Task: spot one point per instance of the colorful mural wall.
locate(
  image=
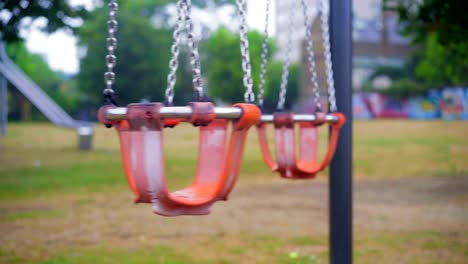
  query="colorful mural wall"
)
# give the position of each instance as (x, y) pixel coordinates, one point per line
(450, 104)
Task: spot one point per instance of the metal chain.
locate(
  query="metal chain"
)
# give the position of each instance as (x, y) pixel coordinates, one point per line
(111, 45)
(324, 19)
(249, 95)
(175, 50)
(263, 68)
(311, 56)
(287, 62)
(194, 54)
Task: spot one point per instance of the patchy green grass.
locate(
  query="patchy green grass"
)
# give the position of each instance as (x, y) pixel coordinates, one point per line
(161, 254)
(305, 241)
(37, 214)
(59, 205)
(10, 257)
(39, 159)
(412, 247)
(389, 247)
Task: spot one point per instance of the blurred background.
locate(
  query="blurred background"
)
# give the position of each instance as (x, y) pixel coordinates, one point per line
(62, 205)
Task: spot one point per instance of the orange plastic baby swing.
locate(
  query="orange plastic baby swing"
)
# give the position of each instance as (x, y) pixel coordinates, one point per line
(141, 139)
(287, 163)
(307, 164)
(140, 127)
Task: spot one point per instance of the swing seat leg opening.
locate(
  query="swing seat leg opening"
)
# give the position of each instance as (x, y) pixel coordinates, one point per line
(307, 165)
(219, 159)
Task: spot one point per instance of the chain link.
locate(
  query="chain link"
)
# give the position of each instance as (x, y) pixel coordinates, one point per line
(194, 54)
(263, 66)
(184, 9)
(287, 62)
(111, 45)
(249, 95)
(111, 59)
(311, 56)
(175, 50)
(324, 22)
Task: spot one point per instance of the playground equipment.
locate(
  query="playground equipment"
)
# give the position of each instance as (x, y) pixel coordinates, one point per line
(9, 72)
(140, 128)
(141, 125)
(287, 164)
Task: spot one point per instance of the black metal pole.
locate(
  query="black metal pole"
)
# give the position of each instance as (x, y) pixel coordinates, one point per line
(341, 184)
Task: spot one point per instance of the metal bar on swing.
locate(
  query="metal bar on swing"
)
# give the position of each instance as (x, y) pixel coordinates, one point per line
(300, 118)
(340, 185)
(120, 113)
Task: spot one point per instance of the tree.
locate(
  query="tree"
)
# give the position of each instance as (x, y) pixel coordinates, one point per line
(222, 67)
(275, 70)
(418, 19)
(441, 66)
(439, 27)
(143, 53)
(222, 64)
(142, 57)
(58, 13)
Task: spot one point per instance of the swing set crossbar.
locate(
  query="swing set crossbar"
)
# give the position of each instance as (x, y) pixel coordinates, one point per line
(331, 119)
(183, 112)
(120, 113)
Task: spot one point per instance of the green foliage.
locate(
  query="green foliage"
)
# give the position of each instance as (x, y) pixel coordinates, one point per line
(432, 66)
(275, 70)
(406, 87)
(440, 27)
(441, 66)
(143, 54)
(393, 72)
(142, 57)
(222, 67)
(418, 19)
(404, 81)
(58, 13)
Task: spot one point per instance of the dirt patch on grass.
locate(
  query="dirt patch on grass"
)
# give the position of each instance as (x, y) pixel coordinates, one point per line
(274, 211)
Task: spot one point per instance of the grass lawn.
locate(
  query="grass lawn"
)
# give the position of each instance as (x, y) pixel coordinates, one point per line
(59, 205)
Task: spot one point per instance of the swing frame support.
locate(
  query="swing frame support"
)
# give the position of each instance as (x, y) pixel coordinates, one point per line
(120, 113)
(341, 184)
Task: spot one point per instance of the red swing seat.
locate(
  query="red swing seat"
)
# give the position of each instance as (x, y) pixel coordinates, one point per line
(306, 165)
(141, 140)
